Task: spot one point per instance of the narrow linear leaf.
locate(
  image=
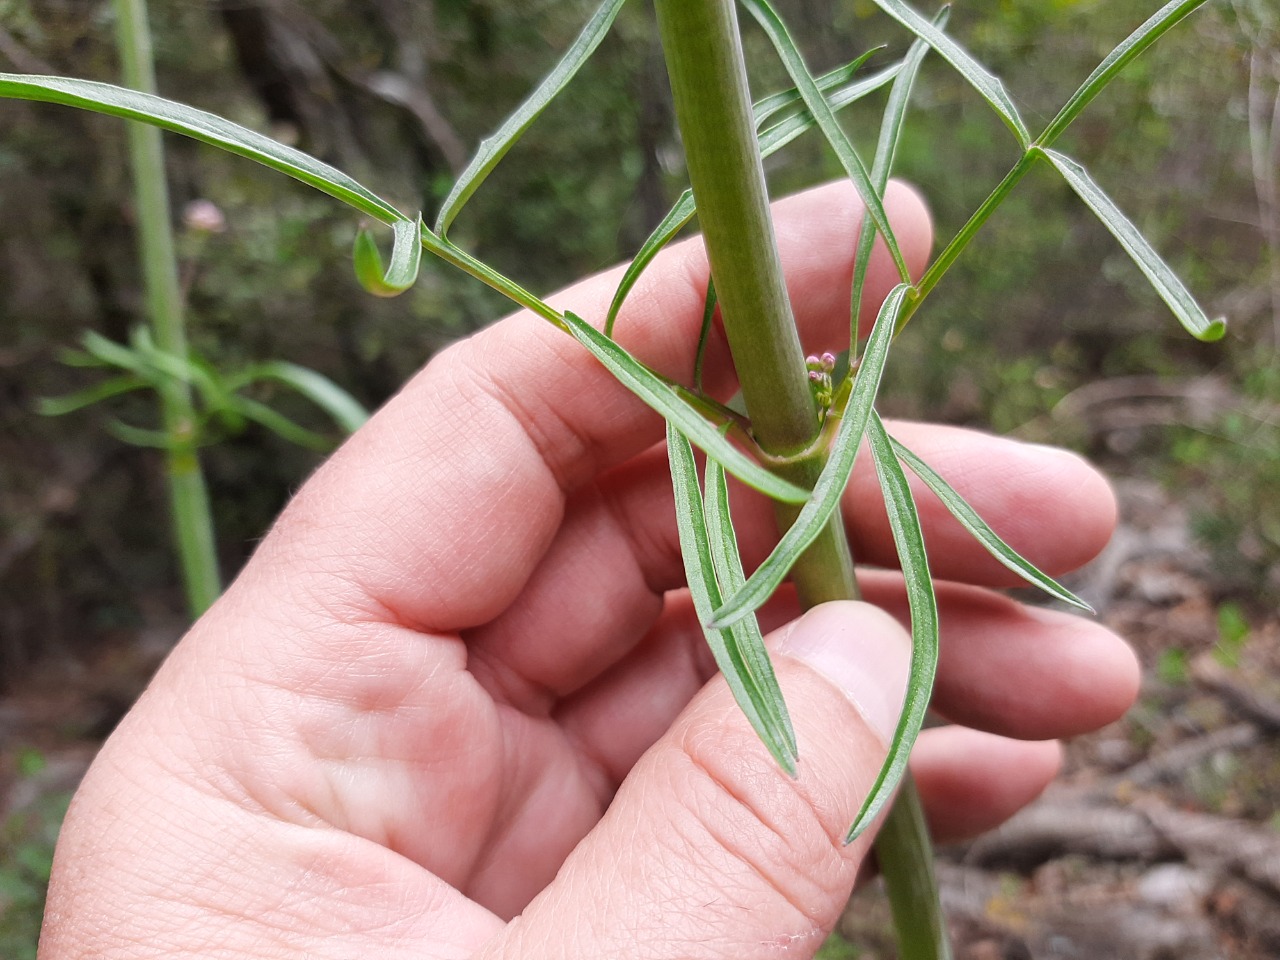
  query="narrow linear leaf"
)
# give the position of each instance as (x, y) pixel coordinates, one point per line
(1161, 276)
(744, 635)
(679, 215)
(982, 532)
(199, 125)
(186, 369)
(278, 424)
(346, 410)
(774, 138)
(822, 113)
(111, 354)
(766, 108)
(406, 256)
(705, 592)
(834, 477)
(904, 520)
(1132, 47)
(771, 141)
(979, 77)
(882, 166)
(114, 387)
(651, 388)
(139, 436)
(494, 148)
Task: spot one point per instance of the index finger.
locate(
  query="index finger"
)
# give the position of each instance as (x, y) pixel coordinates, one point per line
(439, 509)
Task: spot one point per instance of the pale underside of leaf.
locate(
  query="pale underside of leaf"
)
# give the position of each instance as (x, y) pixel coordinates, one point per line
(659, 395)
(979, 77)
(1162, 278)
(700, 574)
(745, 634)
(886, 150)
(904, 520)
(200, 125)
(815, 514)
(406, 256)
(822, 113)
(982, 532)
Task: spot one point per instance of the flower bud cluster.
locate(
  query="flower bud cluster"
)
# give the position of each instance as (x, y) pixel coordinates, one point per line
(820, 369)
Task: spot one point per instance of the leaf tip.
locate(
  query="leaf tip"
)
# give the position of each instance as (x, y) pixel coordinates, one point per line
(1216, 330)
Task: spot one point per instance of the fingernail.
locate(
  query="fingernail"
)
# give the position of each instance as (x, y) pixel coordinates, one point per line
(862, 651)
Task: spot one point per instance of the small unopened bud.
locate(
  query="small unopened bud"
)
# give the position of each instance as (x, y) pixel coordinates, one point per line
(203, 216)
(815, 376)
(828, 360)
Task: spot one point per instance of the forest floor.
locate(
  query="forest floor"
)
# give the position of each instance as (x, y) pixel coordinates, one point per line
(1160, 841)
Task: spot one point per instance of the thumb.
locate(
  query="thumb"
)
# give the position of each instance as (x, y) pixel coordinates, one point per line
(709, 850)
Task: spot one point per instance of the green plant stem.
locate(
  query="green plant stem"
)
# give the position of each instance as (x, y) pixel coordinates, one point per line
(188, 496)
(910, 880)
(713, 107)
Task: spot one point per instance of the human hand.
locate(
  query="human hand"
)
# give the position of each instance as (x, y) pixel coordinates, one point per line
(459, 680)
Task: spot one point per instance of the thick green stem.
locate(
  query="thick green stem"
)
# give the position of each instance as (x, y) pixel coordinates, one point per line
(713, 107)
(906, 862)
(189, 499)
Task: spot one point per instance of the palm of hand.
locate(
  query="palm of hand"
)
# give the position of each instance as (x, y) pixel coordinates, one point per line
(424, 691)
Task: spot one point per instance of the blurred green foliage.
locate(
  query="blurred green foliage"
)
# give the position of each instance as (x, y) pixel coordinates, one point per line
(27, 838)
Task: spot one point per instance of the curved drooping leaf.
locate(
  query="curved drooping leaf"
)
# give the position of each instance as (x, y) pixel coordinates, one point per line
(1132, 47)
(834, 477)
(406, 256)
(1163, 279)
(979, 77)
(982, 532)
(113, 387)
(700, 573)
(822, 113)
(882, 166)
(344, 409)
(277, 423)
(494, 148)
(140, 436)
(654, 391)
(200, 125)
(761, 682)
(904, 520)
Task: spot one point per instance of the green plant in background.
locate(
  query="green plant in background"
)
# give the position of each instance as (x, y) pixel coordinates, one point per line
(158, 358)
(27, 838)
(803, 428)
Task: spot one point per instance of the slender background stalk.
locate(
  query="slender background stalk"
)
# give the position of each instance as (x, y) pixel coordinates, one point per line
(713, 107)
(188, 496)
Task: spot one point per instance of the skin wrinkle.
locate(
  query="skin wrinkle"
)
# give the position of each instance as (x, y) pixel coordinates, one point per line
(583, 553)
(767, 793)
